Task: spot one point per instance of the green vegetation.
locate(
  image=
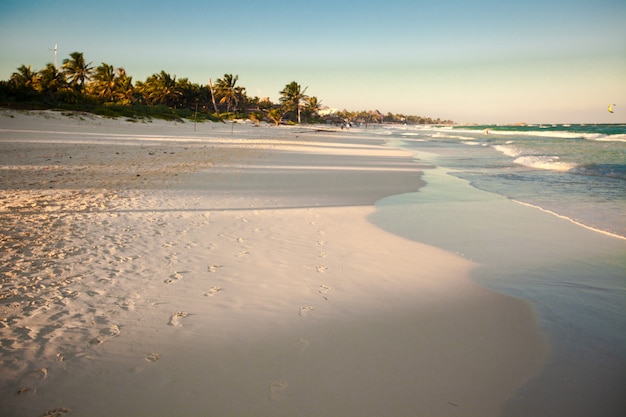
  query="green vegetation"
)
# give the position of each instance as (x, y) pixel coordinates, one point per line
(292, 97)
(108, 91)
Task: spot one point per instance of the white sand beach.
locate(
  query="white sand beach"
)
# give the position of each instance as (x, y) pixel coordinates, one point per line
(165, 269)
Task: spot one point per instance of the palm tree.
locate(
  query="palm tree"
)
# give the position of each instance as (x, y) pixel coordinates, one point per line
(104, 80)
(50, 79)
(25, 77)
(160, 89)
(229, 93)
(191, 94)
(375, 117)
(313, 106)
(77, 71)
(292, 96)
(241, 99)
(276, 115)
(124, 90)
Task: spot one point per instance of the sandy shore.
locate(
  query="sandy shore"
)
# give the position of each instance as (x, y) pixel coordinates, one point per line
(150, 269)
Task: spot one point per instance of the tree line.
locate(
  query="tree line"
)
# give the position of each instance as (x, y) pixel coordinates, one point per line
(110, 91)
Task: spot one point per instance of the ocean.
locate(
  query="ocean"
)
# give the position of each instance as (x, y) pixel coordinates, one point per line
(542, 210)
(576, 171)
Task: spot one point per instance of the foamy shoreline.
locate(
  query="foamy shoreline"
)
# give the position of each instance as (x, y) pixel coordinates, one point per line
(232, 271)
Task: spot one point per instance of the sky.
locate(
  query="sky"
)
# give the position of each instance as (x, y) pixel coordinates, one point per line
(470, 61)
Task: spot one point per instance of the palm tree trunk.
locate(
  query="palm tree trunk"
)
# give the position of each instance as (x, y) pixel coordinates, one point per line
(213, 96)
(297, 105)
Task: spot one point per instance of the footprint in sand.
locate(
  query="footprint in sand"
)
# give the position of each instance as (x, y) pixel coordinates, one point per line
(313, 222)
(321, 242)
(302, 344)
(324, 289)
(41, 373)
(57, 412)
(121, 259)
(277, 389)
(109, 332)
(128, 305)
(212, 291)
(304, 310)
(31, 380)
(173, 278)
(98, 340)
(171, 259)
(321, 269)
(242, 253)
(175, 318)
(206, 216)
(322, 254)
(214, 267)
(152, 357)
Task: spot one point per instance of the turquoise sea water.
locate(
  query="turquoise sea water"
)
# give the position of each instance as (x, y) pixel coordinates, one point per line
(563, 249)
(577, 171)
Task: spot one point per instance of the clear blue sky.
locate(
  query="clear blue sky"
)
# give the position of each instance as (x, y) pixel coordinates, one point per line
(501, 61)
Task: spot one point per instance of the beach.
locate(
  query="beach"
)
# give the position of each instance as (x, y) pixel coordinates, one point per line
(166, 268)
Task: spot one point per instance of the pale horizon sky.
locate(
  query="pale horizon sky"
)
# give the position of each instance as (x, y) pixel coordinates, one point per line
(486, 61)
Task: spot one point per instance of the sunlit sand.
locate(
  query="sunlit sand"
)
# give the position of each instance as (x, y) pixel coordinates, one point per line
(150, 269)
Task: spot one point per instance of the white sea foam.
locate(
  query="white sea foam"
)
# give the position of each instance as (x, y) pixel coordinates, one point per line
(508, 150)
(576, 222)
(552, 163)
(563, 135)
(544, 162)
(447, 136)
(612, 138)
